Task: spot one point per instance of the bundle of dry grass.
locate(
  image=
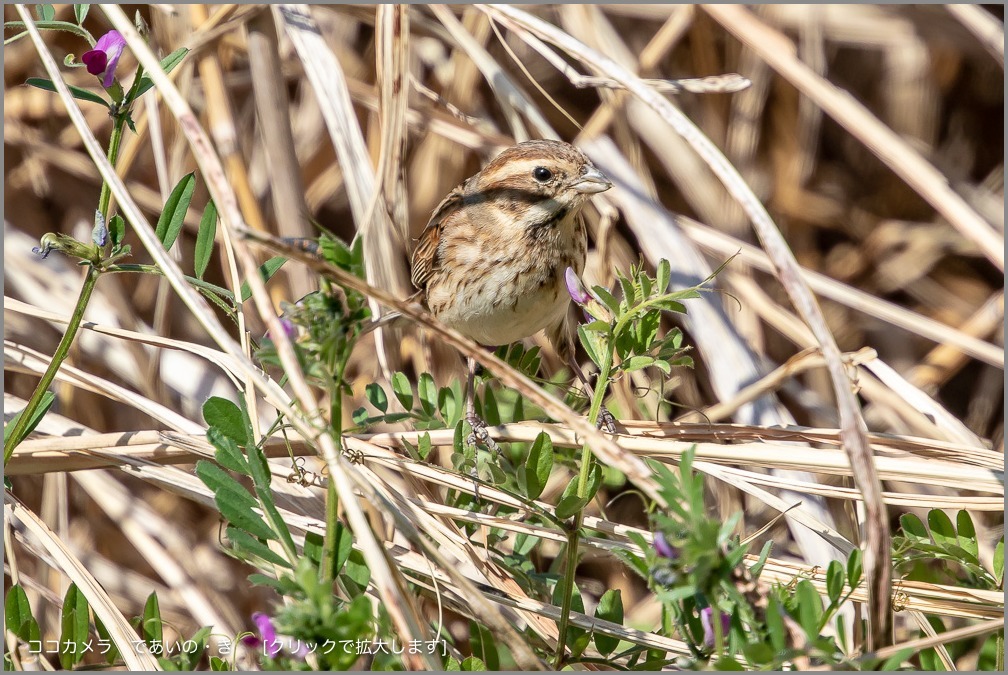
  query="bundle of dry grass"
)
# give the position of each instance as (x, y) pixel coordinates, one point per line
(858, 181)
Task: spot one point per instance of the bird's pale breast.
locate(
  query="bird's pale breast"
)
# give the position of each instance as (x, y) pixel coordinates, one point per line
(503, 288)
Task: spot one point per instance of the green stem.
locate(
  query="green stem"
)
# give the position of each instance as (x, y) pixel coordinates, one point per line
(327, 569)
(105, 200)
(14, 436)
(574, 535)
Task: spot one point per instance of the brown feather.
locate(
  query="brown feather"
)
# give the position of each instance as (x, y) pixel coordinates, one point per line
(425, 256)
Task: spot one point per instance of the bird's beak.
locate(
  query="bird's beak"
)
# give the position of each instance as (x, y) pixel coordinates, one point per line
(591, 182)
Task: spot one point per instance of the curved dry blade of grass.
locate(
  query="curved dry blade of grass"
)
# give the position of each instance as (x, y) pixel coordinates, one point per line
(725, 245)
(382, 257)
(877, 547)
(152, 537)
(118, 626)
(511, 96)
(223, 361)
(22, 357)
(898, 155)
(401, 610)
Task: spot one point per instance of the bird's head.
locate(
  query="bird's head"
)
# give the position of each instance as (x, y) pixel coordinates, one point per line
(539, 181)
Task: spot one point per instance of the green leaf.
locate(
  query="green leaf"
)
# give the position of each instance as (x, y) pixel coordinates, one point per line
(644, 283)
(424, 446)
(473, 664)
(205, 239)
(403, 390)
(757, 569)
(260, 471)
(539, 465)
(344, 546)
(376, 395)
(854, 568)
(168, 64)
(569, 505)
(809, 608)
(610, 608)
(895, 661)
(636, 363)
(482, 645)
(629, 293)
(607, 298)
(18, 615)
(427, 391)
(942, 530)
(173, 215)
(490, 410)
(219, 481)
(914, 529)
(277, 522)
(225, 415)
(152, 628)
(594, 344)
(190, 656)
(217, 664)
(834, 580)
(727, 663)
(248, 544)
(576, 605)
(112, 655)
(81, 12)
(74, 625)
(999, 562)
(265, 272)
(448, 406)
(357, 571)
(227, 453)
(117, 230)
(524, 543)
(235, 503)
(930, 662)
(775, 624)
(967, 535)
(758, 652)
(670, 306)
(45, 12)
(530, 361)
(662, 275)
(44, 404)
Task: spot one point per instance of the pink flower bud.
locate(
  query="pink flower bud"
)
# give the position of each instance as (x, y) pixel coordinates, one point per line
(102, 60)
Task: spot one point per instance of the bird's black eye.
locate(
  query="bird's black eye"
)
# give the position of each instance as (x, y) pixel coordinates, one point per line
(542, 174)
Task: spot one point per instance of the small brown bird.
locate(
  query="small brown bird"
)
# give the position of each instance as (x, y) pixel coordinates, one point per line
(491, 261)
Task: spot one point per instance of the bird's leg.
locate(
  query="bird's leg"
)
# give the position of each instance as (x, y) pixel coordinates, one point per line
(479, 427)
(606, 420)
(563, 343)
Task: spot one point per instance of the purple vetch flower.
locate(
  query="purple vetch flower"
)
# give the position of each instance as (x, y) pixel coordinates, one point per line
(288, 327)
(267, 635)
(708, 626)
(664, 548)
(102, 60)
(575, 287)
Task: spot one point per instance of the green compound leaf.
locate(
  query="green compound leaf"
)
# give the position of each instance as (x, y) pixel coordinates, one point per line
(172, 217)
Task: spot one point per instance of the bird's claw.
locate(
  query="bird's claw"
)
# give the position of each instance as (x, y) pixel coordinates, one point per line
(606, 421)
(480, 434)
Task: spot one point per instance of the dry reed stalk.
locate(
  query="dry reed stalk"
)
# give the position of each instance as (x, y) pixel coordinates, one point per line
(893, 267)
